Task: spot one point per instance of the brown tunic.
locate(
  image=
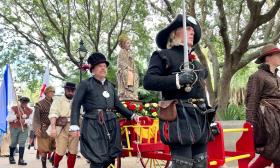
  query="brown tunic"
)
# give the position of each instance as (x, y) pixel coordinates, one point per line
(41, 113)
(263, 111)
(17, 123)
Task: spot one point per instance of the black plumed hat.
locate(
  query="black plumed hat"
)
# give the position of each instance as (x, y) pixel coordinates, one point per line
(163, 35)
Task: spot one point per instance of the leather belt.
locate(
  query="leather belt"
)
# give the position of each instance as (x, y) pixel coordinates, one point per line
(193, 101)
(102, 110)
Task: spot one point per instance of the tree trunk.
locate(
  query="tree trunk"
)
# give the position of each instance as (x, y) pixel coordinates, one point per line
(224, 92)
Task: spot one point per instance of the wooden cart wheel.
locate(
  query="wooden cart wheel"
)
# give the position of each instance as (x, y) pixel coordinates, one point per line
(154, 163)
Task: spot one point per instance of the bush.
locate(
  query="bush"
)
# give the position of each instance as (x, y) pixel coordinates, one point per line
(235, 112)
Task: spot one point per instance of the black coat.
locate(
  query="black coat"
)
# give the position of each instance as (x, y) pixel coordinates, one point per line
(96, 145)
(191, 126)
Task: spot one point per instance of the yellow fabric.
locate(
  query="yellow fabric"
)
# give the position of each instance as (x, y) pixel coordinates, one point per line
(61, 107)
(145, 133)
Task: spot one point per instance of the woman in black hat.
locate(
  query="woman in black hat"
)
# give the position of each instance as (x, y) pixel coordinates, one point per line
(187, 135)
(100, 131)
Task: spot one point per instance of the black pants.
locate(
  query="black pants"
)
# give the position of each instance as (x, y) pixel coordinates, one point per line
(188, 151)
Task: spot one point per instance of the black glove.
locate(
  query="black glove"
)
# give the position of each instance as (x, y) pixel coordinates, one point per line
(187, 77)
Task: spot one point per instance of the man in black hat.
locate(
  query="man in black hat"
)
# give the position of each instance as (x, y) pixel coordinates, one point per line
(187, 135)
(59, 116)
(19, 122)
(100, 132)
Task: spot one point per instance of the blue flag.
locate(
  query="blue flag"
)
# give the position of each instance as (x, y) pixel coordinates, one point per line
(7, 98)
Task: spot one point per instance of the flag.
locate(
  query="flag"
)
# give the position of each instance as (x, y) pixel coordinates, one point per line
(45, 82)
(7, 97)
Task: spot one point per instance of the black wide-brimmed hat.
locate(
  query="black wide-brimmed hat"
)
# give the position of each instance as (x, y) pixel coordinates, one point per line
(163, 35)
(70, 85)
(267, 50)
(24, 100)
(97, 58)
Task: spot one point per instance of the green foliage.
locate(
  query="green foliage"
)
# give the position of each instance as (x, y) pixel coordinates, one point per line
(235, 112)
(148, 96)
(241, 77)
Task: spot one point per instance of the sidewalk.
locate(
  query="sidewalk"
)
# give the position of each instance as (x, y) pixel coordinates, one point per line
(32, 162)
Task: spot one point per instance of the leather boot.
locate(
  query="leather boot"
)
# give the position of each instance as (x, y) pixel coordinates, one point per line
(186, 163)
(11, 158)
(44, 161)
(200, 160)
(20, 160)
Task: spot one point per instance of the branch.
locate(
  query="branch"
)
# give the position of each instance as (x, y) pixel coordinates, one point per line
(223, 27)
(169, 8)
(99, 21)
(255, 21)
(121, 27)
(162, 11)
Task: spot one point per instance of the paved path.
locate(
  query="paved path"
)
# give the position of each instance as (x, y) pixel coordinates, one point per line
(230, 139)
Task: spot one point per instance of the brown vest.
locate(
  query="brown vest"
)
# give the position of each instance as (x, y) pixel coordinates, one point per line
(16, 123)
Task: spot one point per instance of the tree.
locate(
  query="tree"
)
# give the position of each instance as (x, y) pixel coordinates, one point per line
(55, 27)
(16, 52)
(233, 30)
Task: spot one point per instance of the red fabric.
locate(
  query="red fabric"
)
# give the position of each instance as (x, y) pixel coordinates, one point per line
(71, 160)
(261, 162)
(192, 57)
(166, 131)
(57, 159)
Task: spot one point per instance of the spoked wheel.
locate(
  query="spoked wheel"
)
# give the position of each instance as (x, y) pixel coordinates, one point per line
(154, 163)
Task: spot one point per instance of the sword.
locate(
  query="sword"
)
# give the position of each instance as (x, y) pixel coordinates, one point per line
(188, 88)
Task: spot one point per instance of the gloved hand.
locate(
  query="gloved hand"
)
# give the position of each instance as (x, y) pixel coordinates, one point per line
(187, 77)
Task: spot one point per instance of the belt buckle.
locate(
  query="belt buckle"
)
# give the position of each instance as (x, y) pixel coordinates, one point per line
(190, 101)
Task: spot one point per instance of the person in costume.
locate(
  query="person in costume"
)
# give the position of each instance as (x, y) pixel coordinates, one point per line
(100, 130)
(61, 110)
(263, 107)
(41, 123)
(187, 135)
(19, 122)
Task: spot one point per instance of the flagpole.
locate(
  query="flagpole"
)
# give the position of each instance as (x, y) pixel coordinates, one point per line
(18, 106)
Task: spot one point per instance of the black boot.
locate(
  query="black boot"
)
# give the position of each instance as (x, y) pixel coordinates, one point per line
(200, 160)
(11, 158)
(20, 160)
(184, 163)
(44, 161)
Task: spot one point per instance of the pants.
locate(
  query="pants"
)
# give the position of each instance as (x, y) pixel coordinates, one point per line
(18, 137)
(64, 141)
(193, 156)
(45, 144)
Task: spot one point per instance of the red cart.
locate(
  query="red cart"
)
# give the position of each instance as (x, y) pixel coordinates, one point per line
(142, 140)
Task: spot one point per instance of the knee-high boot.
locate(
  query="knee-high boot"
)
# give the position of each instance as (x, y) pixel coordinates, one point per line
(20, 160)
(44, 159)
(11, 157)
(200, 160)
(185, 163)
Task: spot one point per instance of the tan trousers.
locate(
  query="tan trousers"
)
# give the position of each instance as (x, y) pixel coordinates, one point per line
(65, 141)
